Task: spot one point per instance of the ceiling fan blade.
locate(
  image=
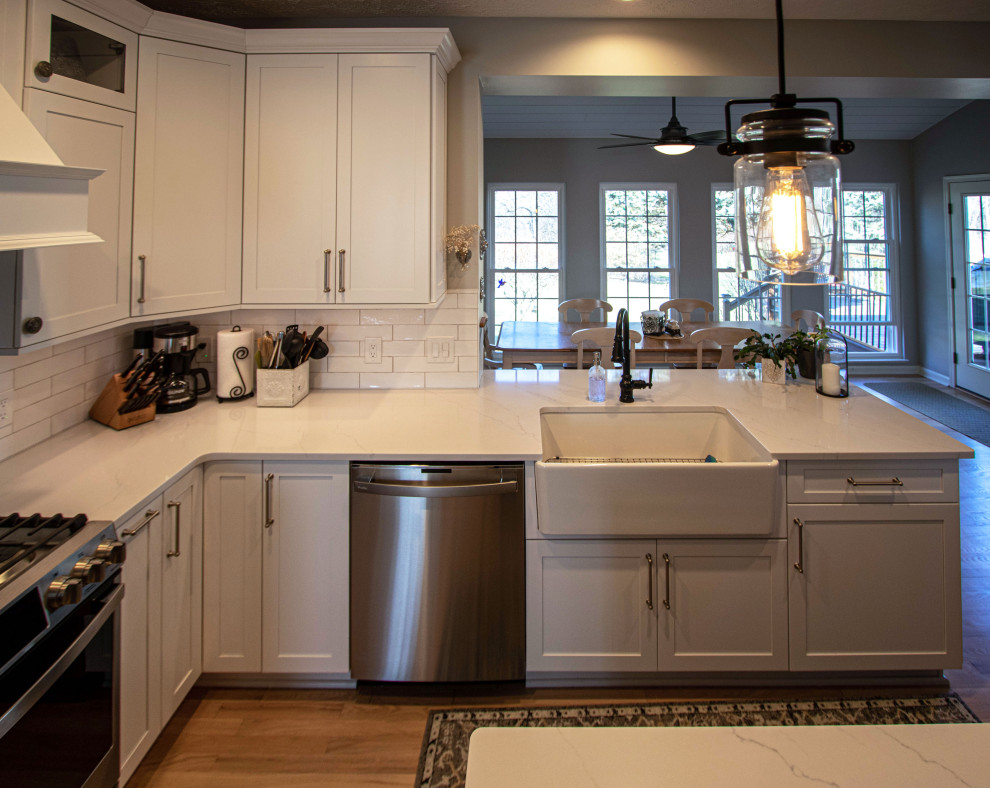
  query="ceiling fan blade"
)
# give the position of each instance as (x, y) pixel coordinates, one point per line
(708, 137)
(634, 137)
(628, 144)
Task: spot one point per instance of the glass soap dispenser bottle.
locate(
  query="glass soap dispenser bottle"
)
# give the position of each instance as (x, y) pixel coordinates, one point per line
(596, 380)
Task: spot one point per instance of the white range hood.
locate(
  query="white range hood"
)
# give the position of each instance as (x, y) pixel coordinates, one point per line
(42, 201)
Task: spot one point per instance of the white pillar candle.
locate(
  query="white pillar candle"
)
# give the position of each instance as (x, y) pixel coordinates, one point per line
(830, 379)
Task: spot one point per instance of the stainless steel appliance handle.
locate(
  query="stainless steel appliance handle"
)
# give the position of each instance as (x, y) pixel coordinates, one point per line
(800, 562)
(269, 520)
(142, 259)
(666, 601)
(894, 482)
(149, 515)
(177, 505)
(326, 270)
(340, 271)
(50, 676)
(441, 491)
(649, 599)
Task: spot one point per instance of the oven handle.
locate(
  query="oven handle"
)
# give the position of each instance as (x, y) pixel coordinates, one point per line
(50, 676)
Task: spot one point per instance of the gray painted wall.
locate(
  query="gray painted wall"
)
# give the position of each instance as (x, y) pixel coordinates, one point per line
(581, 167)
(956, 146)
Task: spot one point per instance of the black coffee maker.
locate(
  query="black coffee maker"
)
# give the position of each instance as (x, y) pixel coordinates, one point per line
(180, 342)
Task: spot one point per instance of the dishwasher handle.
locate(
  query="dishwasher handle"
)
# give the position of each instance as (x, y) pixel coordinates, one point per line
(437, 491)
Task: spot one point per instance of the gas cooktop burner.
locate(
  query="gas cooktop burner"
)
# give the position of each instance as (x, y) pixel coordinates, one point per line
(23, 540)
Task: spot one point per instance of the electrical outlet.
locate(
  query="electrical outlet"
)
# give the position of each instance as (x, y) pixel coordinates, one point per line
(205, 356)
(373, 350)
(440, 350)
(4, 410)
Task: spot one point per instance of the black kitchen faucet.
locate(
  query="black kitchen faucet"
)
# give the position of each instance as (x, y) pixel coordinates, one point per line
(621, 353)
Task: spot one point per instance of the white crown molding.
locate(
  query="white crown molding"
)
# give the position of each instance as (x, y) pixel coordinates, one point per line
(195, 31)
(126, 13)
(437, 41)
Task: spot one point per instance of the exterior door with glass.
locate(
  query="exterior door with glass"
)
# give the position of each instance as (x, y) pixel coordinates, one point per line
(970, 229)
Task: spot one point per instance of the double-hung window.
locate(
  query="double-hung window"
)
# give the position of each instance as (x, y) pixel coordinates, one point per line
(526, 232)
(735, 298)
(638, 226)
(864, 306)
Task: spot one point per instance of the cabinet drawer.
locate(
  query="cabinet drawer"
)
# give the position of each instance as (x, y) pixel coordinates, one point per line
(871, 481)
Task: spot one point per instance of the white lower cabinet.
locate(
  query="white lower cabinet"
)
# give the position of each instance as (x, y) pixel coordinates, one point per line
(874, 586)
(646, 605)
(160, 632)
(276, 568)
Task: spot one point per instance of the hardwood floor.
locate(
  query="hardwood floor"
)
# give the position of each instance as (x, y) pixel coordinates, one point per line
(372, 735)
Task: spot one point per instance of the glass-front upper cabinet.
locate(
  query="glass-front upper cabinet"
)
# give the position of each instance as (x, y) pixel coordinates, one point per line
(78, 54)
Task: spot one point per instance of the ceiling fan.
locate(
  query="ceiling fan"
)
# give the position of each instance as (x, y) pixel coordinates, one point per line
(674, 139)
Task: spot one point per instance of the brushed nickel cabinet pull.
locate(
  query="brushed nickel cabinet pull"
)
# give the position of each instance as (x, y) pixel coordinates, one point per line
(895, 482)
(666, 601)
(326, 270)
(800, 562)
(649, 599)
(269, 520)
(142, 259)
(149, 515)
(340, 271)
(177, 506)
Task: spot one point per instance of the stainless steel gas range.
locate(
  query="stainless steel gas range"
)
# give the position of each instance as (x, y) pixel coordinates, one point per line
(60, 597)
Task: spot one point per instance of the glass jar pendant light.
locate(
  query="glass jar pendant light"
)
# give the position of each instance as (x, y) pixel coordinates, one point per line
(787, 186)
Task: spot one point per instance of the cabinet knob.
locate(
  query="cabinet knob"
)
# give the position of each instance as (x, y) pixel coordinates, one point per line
(32, 325)
(44, 69)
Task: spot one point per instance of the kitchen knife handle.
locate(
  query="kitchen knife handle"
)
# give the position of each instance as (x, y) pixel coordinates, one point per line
(142, 259)
(149, 515)
(269, 520)
(666, 601)
(326, 270)
(177, 506)
(340, 271)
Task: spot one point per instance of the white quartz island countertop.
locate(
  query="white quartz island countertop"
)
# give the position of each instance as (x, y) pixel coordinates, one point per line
(107, 474)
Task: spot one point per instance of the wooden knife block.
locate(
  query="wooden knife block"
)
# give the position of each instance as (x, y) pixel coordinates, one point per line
(104, 410)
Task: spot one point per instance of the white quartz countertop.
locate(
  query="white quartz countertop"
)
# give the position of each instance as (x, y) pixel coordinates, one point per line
(850, 756)
(107, 474)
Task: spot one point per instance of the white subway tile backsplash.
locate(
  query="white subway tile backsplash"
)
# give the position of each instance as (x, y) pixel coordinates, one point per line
(6, 380)
(42, 370)
(453, 316)
(335, 333)
(46, 408)
(451, 380)
(378, 317)
(406, 348)
(327, 317)
(335, 380)
(357, 364)
(28, 395)
(25, 439)
(394, 380)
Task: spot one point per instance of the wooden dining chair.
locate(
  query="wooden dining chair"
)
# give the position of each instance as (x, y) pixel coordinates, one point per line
(602, 338)
(584, 308)
(810, 317)
(725, 337)
(685, 307)
(489, 357)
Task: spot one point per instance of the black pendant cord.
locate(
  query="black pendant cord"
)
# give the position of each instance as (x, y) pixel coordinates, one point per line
(781, 88)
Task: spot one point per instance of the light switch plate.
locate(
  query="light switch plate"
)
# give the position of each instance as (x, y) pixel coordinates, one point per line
(440, 350)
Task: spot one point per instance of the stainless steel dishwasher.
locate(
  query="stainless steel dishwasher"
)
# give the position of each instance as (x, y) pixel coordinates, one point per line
(437, 572)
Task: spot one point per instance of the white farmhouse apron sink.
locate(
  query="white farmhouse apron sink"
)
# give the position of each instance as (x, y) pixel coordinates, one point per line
(625, 472)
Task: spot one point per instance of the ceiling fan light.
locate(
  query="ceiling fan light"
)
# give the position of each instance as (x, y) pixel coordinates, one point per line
(673, 148)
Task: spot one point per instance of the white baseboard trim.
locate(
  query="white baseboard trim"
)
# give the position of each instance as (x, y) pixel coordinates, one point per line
(938, 377)
(877, 370)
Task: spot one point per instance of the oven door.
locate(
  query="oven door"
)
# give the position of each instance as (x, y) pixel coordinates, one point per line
(59, 702)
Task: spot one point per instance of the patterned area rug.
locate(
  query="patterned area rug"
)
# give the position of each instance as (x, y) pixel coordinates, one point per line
(443, 760)
(965, 417)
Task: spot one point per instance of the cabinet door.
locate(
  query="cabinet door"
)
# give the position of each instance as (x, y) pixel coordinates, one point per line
(439, 218)
(187, 178)
(290, 179)
(140, 637)
(383, 183)
(728, 604)
(588, 606)
(92, 59)
(182, 590)
(232, 540)
(73, 288)
(876, 587)
(305, 569)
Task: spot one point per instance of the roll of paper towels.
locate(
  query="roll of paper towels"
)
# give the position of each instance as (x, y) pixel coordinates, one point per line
(235, 363)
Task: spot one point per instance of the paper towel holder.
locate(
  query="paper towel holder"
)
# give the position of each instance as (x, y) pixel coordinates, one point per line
(238, 392)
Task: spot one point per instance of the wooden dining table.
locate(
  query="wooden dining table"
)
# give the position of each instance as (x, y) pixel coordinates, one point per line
(551, 343)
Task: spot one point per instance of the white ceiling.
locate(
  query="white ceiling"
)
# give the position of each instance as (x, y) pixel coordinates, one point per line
(600, 116)
(904, 10)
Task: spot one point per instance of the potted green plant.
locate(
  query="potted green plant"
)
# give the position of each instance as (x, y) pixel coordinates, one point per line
(775, 355)
(804, 350)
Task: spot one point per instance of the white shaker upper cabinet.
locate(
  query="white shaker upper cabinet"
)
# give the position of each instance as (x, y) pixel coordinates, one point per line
(344, 178)
(187, 178)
